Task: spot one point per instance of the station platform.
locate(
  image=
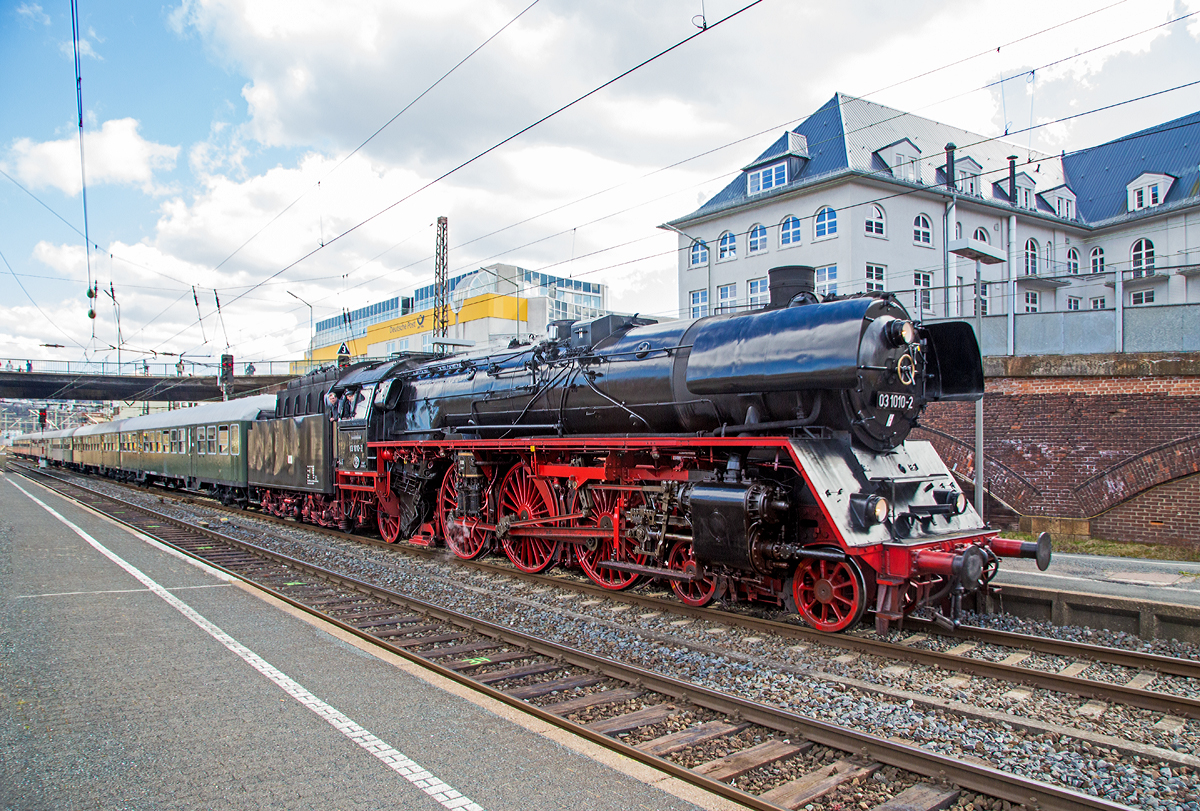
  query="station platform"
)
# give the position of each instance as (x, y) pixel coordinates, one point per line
(1163, 581)
(134, 678)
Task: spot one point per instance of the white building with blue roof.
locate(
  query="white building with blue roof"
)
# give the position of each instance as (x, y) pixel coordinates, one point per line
(1102, 245)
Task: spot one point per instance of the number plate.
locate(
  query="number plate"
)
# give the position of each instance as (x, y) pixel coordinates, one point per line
(893, 401)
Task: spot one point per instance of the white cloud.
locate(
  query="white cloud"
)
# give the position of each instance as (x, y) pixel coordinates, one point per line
(33, 13)
(116, 153)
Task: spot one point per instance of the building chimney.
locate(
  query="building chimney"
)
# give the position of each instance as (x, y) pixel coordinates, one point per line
(950, 147)
(1012, 179)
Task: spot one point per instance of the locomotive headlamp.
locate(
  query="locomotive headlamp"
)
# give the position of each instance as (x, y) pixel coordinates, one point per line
(900, 333)
(869, 509)
(956, 500)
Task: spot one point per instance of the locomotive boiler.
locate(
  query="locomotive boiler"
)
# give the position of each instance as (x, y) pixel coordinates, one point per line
(760, 455)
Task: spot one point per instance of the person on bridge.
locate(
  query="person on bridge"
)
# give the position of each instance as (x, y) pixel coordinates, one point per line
(8, 367)
(29, 366)
(179, 368)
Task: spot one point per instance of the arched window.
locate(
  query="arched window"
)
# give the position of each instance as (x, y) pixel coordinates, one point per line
(789, 231)
(981, 235)
(1031, 257)
(922, 230)
(825, 224)
(699, 253)
(727, 247)
(1098, 261)
(1142, 258)
(958, 230)
(1073, 261)
(758, 239)
(875, 221)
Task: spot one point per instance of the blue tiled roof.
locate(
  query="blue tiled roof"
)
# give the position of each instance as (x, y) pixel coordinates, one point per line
(847, 133)
(1100, 175)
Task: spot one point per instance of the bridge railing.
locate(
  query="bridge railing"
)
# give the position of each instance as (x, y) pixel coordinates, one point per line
(184, 368)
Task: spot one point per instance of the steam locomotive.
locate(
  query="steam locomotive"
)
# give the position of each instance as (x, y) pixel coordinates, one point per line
(760, 456)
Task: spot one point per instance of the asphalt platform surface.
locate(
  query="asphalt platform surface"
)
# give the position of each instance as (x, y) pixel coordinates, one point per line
(138, 680)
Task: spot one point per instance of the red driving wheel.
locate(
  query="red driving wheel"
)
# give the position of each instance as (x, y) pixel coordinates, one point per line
(830, 595)
(462, 535)
(523, 496)
(603, 514)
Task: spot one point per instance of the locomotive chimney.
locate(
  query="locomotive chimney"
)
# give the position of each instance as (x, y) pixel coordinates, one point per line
(789, 281)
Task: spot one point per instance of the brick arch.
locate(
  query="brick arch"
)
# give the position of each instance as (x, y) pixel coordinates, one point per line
(1123, 481)
(1005, 485)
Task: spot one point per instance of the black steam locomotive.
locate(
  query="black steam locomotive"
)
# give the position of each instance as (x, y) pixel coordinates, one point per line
(749, 456)
(758, 456)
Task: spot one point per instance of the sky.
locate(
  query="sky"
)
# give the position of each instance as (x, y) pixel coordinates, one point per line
(228, 144)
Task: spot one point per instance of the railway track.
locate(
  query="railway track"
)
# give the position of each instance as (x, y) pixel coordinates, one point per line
(1151, 682)
(707, 737)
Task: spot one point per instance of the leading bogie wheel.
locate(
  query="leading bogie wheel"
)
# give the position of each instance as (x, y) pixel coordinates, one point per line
(695, 593)
(829, 595)
(461, 534)
(389, 525)
(523, 497)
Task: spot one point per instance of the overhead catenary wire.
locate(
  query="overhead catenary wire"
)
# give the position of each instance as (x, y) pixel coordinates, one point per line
(198, 312)
(87, 242)
(509, 139)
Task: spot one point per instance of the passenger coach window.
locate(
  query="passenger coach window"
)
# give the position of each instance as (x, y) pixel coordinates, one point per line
(235, 440)
(201, 444)
(212, 439)
(223, 440)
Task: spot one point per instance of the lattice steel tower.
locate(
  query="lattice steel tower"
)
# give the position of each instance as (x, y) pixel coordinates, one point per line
(441, 295)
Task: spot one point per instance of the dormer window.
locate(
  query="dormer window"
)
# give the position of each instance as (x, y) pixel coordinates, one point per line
(903, 158)
(967, 172)
(1064, 208)
(1148, 190)
(767, 178)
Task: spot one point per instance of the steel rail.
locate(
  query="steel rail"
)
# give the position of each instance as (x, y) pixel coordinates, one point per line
(974, 777)
(1148, 699)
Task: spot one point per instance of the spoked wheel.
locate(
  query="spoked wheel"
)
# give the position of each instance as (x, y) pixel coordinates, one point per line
(603, 515)
(830, 595)
(389, 525)
(522, 497)
(695, 593)
(462, 535)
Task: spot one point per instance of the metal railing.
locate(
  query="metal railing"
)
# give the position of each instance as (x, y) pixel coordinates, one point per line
(184, 368)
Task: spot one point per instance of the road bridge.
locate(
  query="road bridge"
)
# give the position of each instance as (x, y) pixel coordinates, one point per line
(37, 385)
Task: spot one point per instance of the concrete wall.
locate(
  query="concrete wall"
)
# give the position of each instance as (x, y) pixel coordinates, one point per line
(1167, 328)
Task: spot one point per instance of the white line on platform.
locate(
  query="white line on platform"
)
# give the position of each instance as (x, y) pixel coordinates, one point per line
(118, 591)
(394, 759)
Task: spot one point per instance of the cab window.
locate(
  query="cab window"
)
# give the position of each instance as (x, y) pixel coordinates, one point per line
(362, 402)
